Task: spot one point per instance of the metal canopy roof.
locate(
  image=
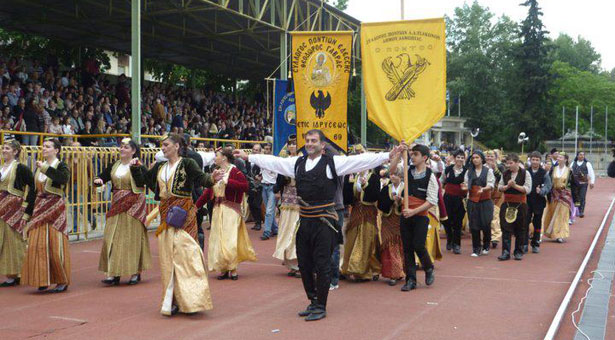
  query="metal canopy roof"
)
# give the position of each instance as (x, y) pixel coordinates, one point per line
(239, 38)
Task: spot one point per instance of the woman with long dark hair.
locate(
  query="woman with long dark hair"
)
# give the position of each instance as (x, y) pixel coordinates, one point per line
(47, 259)
(17, 194)
(125, 250)
(184, 278)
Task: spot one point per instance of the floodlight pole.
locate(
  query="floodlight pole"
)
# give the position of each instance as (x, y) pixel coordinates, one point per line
(135, 70)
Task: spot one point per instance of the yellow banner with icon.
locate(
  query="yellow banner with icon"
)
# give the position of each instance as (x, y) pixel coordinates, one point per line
(404, 74)
(321, 63)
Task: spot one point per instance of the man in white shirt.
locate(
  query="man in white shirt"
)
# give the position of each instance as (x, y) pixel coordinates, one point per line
(316, 181)
(584, 176)
(269, 200)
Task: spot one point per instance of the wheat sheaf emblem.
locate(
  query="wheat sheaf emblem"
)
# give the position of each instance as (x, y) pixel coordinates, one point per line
(402, 73)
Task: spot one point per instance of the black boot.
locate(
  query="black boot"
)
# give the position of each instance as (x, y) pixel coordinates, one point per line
(410, 285)
(318, 312)
(449, 244)
(457, 249)
(429, 276)
(505, 256)
(410, 279)
(312, 306)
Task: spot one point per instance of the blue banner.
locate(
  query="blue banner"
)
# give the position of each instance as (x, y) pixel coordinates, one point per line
(284, 115)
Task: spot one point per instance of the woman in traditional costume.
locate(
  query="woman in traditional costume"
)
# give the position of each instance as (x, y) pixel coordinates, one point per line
(557, 215)
(17, 195)
(229, 243)
(285, 249)
(184, 278)
(361, 248)
(47, 259)
(125, 250)
(391, 251)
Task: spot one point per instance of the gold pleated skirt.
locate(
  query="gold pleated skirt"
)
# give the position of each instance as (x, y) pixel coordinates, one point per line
(182, 272)
(47, 258)
(125, 250)
(12, 251)
(361, 244)
(496, 230)
(229, 243)
(285, 247)
(556, 221)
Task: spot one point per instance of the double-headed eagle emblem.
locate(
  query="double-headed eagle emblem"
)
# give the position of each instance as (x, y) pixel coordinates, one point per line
(402, 73)
(320, 103)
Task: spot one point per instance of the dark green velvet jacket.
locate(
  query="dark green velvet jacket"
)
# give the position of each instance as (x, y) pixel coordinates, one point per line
(137, 173)
(21, 184)
(186, 176)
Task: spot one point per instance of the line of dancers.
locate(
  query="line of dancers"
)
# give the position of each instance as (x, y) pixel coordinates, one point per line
(381, 238)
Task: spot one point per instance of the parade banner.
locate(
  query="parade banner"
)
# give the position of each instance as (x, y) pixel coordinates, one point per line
(284, 115)
(321, 64)
(404, 74)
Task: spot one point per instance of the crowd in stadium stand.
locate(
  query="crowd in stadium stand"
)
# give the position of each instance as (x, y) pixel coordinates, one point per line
(48, 98)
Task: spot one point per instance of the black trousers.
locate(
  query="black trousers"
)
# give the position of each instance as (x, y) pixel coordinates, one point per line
(456, 211)
(200, 215)
(517, 228)
(315, 243)
(479, 244)
(255, 201)
(581, 193)
(534, 216)
(413, 236)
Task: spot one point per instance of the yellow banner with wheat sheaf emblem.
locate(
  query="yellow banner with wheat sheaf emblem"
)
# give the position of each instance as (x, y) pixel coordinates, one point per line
(404, 74)
(321, 64)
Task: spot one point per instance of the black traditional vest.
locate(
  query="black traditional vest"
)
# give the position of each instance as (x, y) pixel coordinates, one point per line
(449, 175)
(314, 187)
(372, 190)
(576, 168)
(418, 187)
(538, 179)
(520, 180)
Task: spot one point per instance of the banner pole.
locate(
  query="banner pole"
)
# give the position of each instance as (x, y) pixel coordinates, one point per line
(405, 157)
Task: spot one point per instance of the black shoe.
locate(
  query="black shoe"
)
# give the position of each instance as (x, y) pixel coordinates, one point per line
(518, 256)
(10, 284)
(375, 277)
(312, 306)
(342, 277)
(429, 276)
(59, 289)
(410, 285)
(494, 245)
(525, 249)
(316, 316)
(40, 289)
(256, 227)
(112, 282)
(392, 282)
(235, 277)
(535, 249)
(223, 276)
(449, 245)
(291, 273)
(174, 310)
(274, 234)
(134, 280)
(456, 249)
(505, 256)
(581, 215)
(264, 237)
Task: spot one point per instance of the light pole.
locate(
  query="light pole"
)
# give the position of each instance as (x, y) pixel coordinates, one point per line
(522, 139)
(473, 133)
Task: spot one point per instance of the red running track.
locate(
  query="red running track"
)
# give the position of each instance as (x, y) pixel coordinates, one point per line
(472, 298)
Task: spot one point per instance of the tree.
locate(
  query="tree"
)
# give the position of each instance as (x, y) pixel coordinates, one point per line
(580, 54)
(481, 69)
(339, 4)
(534, 64)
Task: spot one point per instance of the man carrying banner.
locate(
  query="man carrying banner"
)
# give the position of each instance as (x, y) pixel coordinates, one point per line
(422, 195)
(316, 180)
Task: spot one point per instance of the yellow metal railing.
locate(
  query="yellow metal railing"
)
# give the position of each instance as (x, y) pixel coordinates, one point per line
(87, 205)
(42, 135)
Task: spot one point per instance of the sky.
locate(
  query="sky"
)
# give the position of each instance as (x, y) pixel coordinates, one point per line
(591, 19)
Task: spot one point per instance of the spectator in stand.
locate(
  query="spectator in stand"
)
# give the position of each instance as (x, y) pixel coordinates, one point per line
(55, 126)
(34, 122)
